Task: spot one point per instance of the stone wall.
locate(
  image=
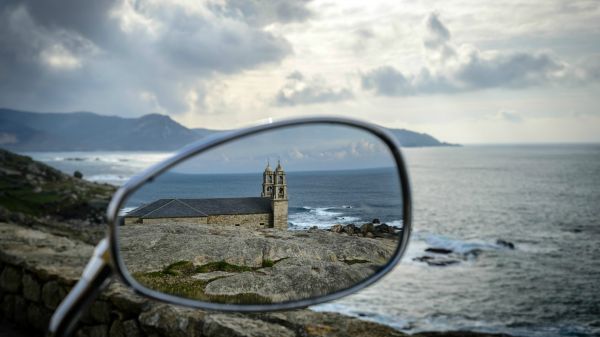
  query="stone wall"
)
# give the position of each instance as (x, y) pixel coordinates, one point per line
(244, 220)
(280, 214)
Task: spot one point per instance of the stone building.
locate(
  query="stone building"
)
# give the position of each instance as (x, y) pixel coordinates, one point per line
(270, 210)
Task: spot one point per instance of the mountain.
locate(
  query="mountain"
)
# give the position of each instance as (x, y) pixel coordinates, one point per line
(30, 131)
(409, 138)
(86, 131)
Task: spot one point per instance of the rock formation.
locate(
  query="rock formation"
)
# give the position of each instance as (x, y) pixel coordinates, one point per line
(270, 264)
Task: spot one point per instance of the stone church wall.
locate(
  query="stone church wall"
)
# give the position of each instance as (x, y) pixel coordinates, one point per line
(244, 220)
(280, 214)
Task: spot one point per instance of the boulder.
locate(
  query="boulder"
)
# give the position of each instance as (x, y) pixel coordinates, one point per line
(31, 288)
(337, 228)
(100, 311)
(505, 244)
(438, 250)
(384, 229)
(10, 279)
(351, 229)
(367, 228)
(52, 294)
(172, 321)
(431, 261)
(223, 325)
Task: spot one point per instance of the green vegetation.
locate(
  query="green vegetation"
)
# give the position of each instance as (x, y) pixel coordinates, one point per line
(176, 279)
(266, 263)
(355, 261)
(222, 266)
(176, 285)
(36, 189)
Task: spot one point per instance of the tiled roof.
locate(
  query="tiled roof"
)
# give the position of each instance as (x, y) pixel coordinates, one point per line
(187, 208)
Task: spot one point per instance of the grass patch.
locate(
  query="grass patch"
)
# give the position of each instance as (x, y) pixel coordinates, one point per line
(176, 279)
(355, 261)
(243, 298)
(183, 286)
(266, 263)
(221, 266)
(301, 235)
(179, 268)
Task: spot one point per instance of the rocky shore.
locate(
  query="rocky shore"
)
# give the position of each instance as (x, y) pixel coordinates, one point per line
(39, 196)
(37, 269)
(48, 225)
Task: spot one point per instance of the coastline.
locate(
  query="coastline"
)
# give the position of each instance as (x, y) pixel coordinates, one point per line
(34, 282)
(51, 262)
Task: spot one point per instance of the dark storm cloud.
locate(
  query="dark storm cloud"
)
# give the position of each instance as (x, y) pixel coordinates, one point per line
(262, 13)
(502, 71)
(299, 90)
(468, 69)
(87, 18)
(130, 57)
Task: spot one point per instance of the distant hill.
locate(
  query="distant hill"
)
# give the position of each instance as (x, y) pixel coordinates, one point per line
(408, 138)
(86, 131)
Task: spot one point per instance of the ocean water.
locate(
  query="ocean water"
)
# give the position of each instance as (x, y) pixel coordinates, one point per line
(544, 199)
(318, 198)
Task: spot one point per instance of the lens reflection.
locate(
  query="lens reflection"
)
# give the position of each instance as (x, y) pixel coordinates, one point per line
(284, 215)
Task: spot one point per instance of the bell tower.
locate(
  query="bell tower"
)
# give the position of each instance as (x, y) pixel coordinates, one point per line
(268, 181)
(279, 198)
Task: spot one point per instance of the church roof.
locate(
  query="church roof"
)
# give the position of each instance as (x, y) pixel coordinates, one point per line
(189, 208)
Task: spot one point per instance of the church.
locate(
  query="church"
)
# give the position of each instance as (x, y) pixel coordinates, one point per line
(270, 210)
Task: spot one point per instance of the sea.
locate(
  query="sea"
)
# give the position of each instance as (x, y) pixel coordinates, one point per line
(477, 201)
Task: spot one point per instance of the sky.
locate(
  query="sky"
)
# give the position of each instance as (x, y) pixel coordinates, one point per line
(462, 71)
(301, 148)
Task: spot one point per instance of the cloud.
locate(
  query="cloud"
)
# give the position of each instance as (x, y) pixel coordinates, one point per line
(113, 56)
(299, 90)
(508, 116)
(464, 68)
(387, 81)
(296, 154)
(437, 33)
(262, 13)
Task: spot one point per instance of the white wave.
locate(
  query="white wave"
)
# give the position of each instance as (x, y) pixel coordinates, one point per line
(322, 217)
(125, 210)
(103, 166)
(108, 178)
(396, 223)
(421, 240)
(456, 245)
(121, 158)
(353, 311)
